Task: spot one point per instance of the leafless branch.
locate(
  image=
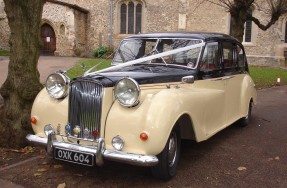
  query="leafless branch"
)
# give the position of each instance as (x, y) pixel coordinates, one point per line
(200, 3)
(276, 9)
(218, 4)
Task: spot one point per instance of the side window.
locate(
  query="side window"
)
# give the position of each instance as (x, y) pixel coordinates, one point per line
(210, 57)
(227, 48)
(240, 56)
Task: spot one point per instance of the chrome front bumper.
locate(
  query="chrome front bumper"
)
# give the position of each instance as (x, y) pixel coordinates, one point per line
(100, 152)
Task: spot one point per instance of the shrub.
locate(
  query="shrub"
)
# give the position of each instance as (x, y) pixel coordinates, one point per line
(98, 53)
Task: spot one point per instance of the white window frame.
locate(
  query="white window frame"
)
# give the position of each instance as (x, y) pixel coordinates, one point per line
(254, 30)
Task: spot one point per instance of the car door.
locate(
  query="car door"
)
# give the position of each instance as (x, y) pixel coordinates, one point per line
(233, 63)
(213, 89)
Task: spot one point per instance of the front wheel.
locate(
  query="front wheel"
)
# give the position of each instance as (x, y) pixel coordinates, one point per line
(169, 157)
(246, 120)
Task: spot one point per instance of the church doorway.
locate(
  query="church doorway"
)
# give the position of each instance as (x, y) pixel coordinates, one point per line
(48, 38)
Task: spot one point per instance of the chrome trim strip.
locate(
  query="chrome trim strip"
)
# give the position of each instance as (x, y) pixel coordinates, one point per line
(100, 152)
(51, 138)
(227, 77)
(130, 158)
(36, 140)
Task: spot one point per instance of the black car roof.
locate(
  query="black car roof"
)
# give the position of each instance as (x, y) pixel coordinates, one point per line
(192, 35)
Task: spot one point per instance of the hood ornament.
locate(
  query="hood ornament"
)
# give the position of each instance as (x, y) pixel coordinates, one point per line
(84, 67)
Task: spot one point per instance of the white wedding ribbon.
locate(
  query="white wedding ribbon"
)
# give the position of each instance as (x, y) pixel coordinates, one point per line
(148, 58)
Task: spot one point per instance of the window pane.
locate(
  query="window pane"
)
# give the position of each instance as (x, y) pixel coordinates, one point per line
(227, 55)
(210, 57)
(248, 31)
(240, 56)
(131, 49)
(123, 18)
(131, 18)
(138, 18)
(248, 27)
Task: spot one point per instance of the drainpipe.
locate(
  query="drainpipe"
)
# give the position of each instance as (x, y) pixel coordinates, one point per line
(111, 25)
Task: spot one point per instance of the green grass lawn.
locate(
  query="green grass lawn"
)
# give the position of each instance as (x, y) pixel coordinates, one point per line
(88, 63)
(262, 76)
(4, 53)
(267, 77)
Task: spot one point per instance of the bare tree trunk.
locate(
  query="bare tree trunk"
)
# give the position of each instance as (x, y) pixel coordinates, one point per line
(22, 83)
(237, 28)
(238, 12)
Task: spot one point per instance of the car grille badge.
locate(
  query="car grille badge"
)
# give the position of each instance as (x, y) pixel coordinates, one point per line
(77, 131)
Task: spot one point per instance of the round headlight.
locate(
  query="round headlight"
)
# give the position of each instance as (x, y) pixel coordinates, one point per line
(127, 92)
(57, 85)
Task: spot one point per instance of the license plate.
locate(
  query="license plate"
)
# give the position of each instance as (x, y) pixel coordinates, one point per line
(74, 156)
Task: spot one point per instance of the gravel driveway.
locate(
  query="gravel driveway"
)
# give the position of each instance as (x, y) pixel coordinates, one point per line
(46, 66)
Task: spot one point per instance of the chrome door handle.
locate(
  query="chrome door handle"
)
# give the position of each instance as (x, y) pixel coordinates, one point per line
(217, 79)
(227, 77)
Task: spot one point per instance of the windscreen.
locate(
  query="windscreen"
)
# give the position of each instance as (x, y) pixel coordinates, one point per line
(132, 49)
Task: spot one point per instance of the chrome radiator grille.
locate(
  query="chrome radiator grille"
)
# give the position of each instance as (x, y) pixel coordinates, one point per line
(85, 107)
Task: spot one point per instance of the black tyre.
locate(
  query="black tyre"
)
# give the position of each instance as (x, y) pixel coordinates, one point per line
(169, 157)
(246, 120)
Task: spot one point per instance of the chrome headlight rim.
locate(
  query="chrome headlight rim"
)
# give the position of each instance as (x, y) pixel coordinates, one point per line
(65, 86)
(118, 143)
(137, 87)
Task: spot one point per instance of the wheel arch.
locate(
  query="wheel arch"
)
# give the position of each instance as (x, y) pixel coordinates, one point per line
(186, 127)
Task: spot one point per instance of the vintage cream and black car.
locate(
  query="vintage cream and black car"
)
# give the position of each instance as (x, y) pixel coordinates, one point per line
(161, 88)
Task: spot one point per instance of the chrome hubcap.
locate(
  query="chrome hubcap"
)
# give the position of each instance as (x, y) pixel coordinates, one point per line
(172, 148)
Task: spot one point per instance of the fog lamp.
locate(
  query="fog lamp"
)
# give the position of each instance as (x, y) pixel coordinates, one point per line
(48, 129)
(118, 143)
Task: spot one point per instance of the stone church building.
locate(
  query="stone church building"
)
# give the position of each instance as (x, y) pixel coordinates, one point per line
(75, 27)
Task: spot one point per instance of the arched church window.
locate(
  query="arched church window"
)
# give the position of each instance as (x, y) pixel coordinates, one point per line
(138, 18)
(123, 18)
(130, 17)
(248, 27)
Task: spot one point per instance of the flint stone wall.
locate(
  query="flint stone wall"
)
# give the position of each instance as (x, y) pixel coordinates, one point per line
(61, 19)
(4, 29)
(69, 26)
(96, 24)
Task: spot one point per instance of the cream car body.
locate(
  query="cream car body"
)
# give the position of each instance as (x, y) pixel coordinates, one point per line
(220, 95)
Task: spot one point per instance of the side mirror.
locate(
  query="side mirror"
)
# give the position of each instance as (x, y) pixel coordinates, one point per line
(188, 79)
